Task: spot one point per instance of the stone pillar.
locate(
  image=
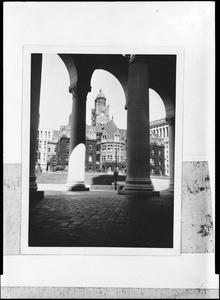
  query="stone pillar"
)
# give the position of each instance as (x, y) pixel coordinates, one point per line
(36, 66)
(138, 130)
(171, 122)
(76, 168)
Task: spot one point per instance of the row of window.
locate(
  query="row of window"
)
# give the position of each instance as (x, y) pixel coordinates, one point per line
(44, 134)
(152, 161)
(153, 152)
(161, 131)
(110, 158)
(116, 138)
(110, 147)
(38, 157)
(41, 144)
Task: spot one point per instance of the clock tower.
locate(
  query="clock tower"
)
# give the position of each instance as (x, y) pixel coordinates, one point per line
(100, 114)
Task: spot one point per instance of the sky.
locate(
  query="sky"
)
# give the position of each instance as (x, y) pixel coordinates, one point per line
(56, 101)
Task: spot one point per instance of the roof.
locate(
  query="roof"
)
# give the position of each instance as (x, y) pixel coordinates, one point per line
(100, 95)
(110, 128)
(56, 133)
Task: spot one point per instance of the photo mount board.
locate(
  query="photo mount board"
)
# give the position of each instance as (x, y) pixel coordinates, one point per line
(27, 51)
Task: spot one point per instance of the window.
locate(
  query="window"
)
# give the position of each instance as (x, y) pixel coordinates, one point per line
(90, 158)
(152, 152)
(90, 168)
(41, 134)
(152, 161)
(48, 134)
(90, 146)
(159, 152)
(45, 134)
(44, 158)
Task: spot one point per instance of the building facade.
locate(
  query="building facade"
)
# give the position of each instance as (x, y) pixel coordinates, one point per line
(44, 137)
(160, 128)
(106, 143)
(100, 113)
(157, 161)
(46, 149)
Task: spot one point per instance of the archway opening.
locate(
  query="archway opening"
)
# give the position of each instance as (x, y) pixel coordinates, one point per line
(115, 97)
(157, 107)
(106, 120)
(54, 110)
(159, 140)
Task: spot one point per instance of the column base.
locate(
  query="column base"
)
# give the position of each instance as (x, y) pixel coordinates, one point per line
(131, 188)
(36, 195)
(122, 191)
(76, 187)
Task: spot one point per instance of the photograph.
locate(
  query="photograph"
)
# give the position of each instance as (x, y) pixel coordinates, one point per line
(102, 150)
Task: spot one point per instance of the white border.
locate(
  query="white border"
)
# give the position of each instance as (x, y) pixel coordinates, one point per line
(27, 50)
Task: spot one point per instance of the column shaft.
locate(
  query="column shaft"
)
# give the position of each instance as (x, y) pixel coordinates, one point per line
(138, 129)
(76, 167)
(36, 66)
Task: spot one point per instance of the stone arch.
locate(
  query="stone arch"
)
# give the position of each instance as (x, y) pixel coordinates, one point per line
(162, 79)
(168, 100)
(71, 67)
(118, 74)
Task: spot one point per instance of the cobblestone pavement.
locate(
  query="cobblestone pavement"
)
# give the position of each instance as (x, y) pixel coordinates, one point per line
(100, 219)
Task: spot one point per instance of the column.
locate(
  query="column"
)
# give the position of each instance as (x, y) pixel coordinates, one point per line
(138, 130)
(76, 167)
(36, 66)
(171, 122)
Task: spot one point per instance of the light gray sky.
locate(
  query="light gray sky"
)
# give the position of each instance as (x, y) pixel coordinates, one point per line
(56, 101)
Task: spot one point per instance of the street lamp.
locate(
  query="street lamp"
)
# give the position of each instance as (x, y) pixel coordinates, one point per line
(116, 171)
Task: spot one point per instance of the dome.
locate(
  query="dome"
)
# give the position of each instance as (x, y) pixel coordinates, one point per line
(100, 95)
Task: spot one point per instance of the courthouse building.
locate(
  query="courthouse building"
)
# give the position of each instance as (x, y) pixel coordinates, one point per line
(106, 143)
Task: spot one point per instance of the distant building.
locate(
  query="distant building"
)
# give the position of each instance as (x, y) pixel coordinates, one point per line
(51, 150)
(157, 154)
(100, 114)
(110, 140)
(44, 137)
(160, 128)
(106, 143)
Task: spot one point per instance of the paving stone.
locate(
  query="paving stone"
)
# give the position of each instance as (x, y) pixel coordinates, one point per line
(102, 219)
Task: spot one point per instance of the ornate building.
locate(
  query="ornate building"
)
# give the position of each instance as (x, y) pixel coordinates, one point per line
(106, 143)
(100, 114)
(110, 140)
